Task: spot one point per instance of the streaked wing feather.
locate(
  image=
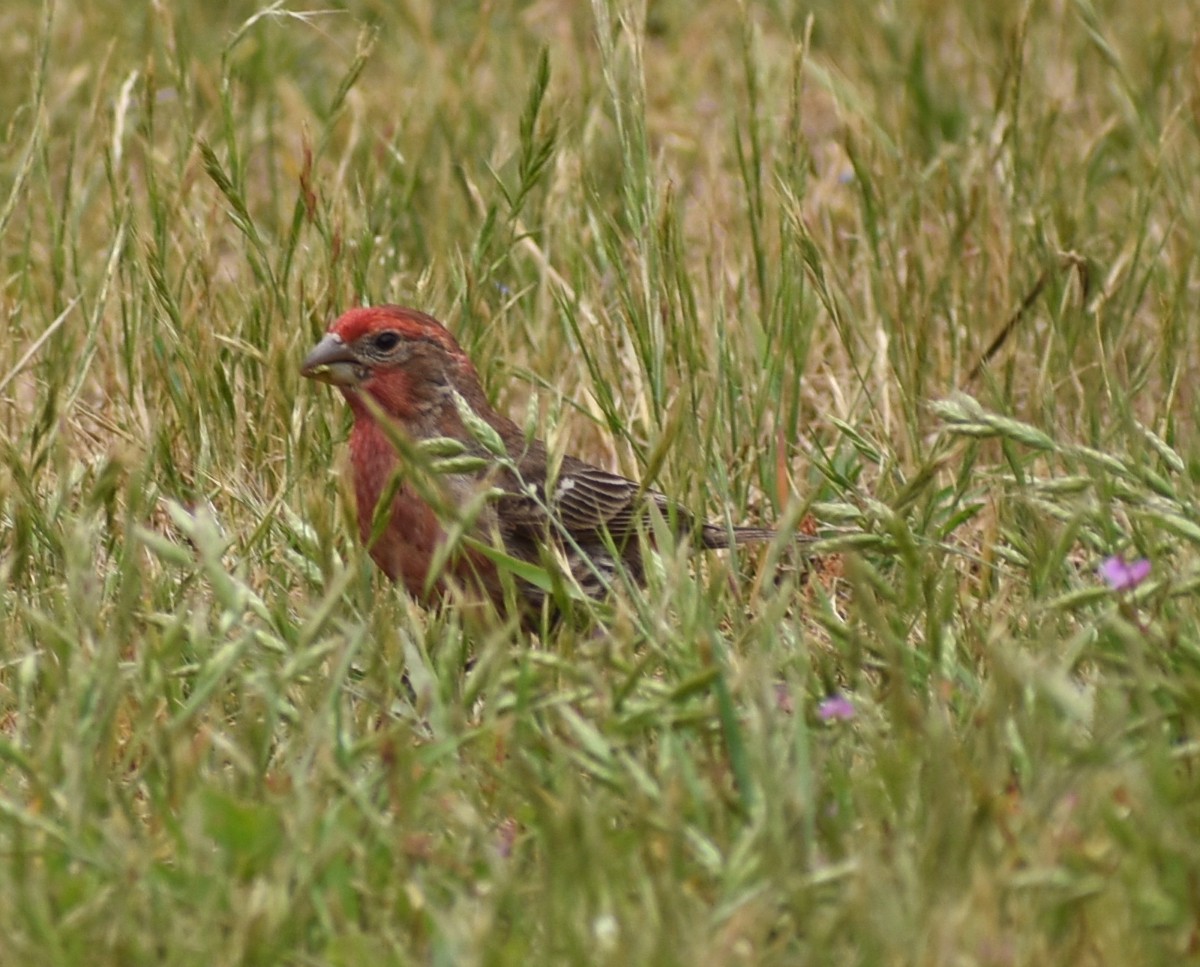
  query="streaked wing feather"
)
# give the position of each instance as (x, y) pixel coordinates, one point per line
(583, 499)
(586, 498)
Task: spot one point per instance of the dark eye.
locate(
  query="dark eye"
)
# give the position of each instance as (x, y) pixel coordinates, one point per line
(385, 342)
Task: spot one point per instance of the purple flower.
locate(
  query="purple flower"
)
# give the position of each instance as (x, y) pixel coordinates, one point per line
(1122, 575)
(836, 708)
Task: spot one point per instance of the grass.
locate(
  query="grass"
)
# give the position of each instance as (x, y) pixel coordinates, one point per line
(752, 254)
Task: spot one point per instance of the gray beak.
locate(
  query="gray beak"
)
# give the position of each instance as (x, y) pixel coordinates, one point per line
(331, 361)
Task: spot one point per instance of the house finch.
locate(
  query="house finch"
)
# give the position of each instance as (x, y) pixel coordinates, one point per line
(402, 366)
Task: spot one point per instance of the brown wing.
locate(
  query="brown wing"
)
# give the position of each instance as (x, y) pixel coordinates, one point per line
(596, 513)
(583, 500)
(586, 498)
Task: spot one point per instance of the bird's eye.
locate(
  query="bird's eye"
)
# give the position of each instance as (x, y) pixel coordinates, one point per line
(385, 342)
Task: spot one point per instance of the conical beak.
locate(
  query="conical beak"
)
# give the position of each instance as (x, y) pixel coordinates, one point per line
(331, 361)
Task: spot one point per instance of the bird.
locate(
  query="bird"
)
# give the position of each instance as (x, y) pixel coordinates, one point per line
(409, 384)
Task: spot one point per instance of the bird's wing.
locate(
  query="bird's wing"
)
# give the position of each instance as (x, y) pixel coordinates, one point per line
(584, 499)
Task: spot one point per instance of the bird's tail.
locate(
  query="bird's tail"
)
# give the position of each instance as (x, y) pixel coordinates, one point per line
(717, 537)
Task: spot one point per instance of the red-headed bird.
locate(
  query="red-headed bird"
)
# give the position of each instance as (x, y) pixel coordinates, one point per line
(398, 364)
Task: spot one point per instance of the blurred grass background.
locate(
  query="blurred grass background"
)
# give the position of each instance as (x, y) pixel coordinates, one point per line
(755, 250)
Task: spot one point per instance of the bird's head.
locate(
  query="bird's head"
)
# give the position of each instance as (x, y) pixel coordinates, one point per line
(402, 357)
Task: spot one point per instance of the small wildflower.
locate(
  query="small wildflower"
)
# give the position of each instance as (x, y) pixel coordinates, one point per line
(836, 708)
(506, 836)
(1122, 575)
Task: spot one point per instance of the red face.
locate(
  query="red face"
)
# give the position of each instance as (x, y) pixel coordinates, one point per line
(372, 342)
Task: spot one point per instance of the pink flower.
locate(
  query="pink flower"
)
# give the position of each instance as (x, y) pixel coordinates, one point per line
(1122, 575)
(836, 708)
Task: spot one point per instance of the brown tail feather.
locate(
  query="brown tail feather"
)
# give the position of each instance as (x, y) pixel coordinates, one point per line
(716, 537)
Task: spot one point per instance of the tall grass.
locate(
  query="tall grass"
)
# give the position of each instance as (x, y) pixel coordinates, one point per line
(750, 253)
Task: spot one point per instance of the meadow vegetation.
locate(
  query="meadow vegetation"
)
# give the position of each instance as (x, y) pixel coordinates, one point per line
(752, 252)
